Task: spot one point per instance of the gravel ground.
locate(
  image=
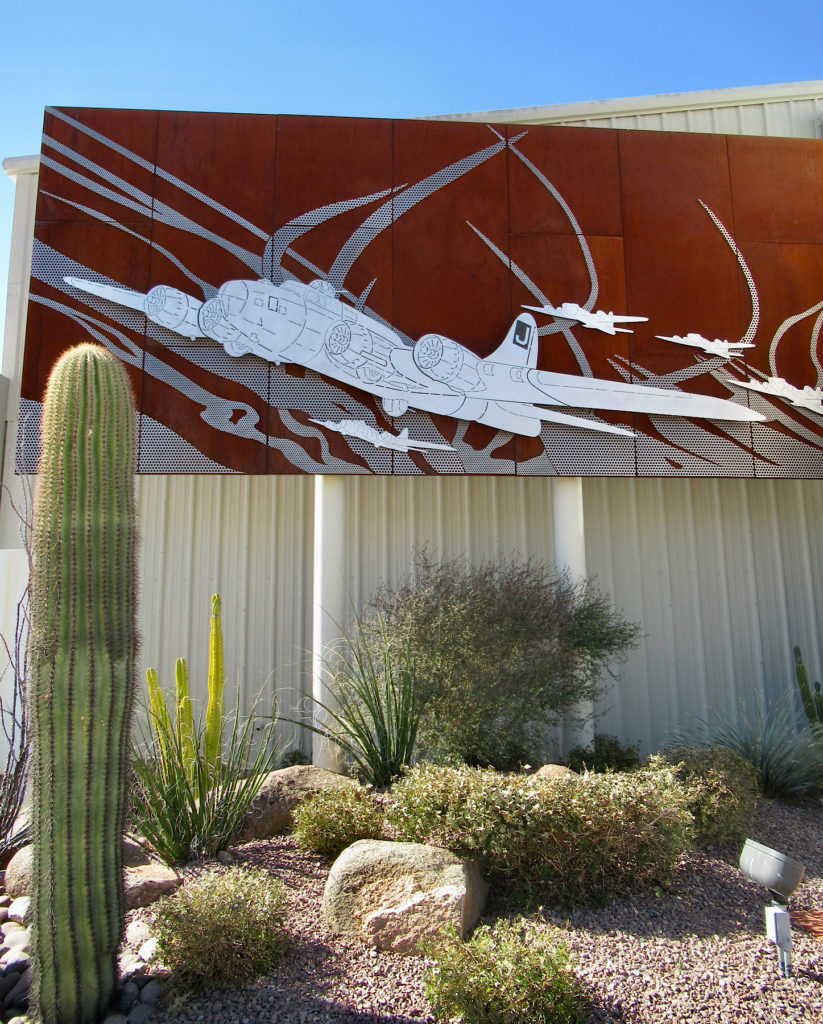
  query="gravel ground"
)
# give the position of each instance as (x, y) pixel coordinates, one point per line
(696, 953)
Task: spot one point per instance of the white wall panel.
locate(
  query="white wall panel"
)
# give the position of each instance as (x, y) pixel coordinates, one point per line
(724, 576)
(248, 539)
(792, 110)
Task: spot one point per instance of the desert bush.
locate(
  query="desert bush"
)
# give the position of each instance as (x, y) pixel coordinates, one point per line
(517, 972)
(722, 790)
(570, 840)
(784, 752)
(331, 820)
(607, 753)
(221, 928)
(497, 649)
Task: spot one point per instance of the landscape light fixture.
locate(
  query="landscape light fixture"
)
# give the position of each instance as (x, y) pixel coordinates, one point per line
(781, 876)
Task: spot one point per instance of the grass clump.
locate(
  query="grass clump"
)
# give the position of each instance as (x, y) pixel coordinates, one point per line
(517, 972)
(221, 928)
(785, 753)
(570, 840)
(329, 821)
(722, 789)
(606, 754)
(377, 702)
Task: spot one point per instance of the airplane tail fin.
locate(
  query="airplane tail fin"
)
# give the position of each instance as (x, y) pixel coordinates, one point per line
(519, 347)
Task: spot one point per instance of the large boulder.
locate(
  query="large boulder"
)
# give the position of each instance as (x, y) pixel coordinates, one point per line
(280, 793)
(148, 882)
(554, 771)
(397, 896)
(18, 873)
(144, 882)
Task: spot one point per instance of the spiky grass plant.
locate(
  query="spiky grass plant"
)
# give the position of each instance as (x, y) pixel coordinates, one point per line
(377, 705)
(786, 755)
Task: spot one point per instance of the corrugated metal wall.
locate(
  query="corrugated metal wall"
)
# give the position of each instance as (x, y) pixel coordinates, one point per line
(788, 111)
(250, 540)
(724, 575)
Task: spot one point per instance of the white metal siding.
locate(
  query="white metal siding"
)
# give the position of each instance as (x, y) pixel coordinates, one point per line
(248, 539)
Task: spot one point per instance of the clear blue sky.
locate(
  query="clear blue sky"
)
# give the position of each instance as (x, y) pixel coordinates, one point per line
(388, 59)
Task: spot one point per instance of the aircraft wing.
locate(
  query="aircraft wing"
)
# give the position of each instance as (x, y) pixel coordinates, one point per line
(122, 296)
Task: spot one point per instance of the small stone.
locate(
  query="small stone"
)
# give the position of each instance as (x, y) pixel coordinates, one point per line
(151, 992)
(128, 996)
(115, 1018)
(130, 964)
(10, 927)
(18, 940)
(5, 899)
(224, 857)
(19, 995)
(140, 1014)
(19, 1020)
(7, 983)
(137, 932)
(20, 909)
(17, 960)
(148, 950)
(4, 914)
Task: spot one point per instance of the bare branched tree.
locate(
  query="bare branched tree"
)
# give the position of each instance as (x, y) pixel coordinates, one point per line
(13, 712)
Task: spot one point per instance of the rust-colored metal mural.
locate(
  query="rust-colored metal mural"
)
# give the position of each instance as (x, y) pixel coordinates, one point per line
(324, 295)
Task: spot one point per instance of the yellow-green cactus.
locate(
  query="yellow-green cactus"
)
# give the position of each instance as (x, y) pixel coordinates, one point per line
(213, 741)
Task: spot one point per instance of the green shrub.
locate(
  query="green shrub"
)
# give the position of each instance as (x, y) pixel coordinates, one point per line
(784, 752)
(331, 820)
(517, 972)
(722, 790)
(606, 753)
(570, 840)
(221, 928)
(497, 648)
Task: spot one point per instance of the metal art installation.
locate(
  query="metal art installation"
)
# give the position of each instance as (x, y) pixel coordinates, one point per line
(335, 304)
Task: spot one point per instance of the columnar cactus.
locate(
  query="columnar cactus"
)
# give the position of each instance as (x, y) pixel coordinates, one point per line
(83, 652)
(213, 742)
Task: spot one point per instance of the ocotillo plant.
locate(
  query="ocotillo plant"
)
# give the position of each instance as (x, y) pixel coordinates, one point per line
(83, 651)
(812, 702)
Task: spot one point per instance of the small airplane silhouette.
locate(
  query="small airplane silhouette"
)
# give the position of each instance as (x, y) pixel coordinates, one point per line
(598, 321)
(382, 438)
(724, 349)
(804, 398)
(307, 324)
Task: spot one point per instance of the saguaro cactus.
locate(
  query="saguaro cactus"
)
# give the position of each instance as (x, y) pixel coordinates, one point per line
(83, 648)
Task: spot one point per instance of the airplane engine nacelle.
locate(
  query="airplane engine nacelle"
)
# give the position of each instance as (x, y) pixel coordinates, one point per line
(213, 323)
(173, 309)
(444, 360)
(349, 343)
